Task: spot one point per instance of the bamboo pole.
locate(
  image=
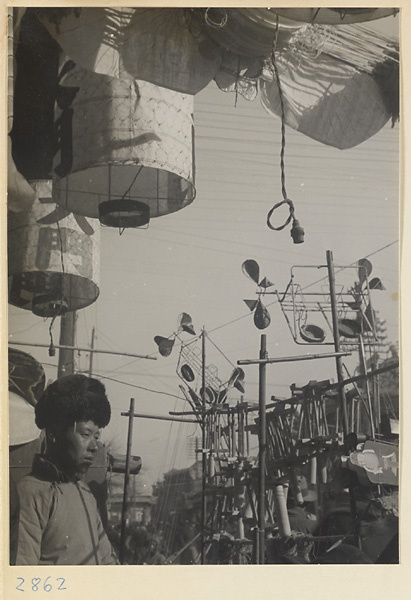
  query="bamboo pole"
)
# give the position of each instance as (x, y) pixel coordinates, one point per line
(363, 368)
(204, 456)
(262, 443)
(336, 333)
(340, 377)
(66, 364)
(72, 347)
(90, 368)
(159, 417)
(126, 482)
(267, 361)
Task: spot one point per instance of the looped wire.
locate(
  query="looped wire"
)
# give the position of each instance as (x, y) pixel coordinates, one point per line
(282, 165)
(291, 215)
(215, 24)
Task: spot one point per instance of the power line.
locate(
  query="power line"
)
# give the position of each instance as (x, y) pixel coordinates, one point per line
(139, 387)
(309, 285)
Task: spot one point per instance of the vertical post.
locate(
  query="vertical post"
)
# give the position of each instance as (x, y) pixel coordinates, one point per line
(281, 511)
(262, 443)
(204, 456)
(90, 369)
(126, 481)
(341, 390)
(240, 454)
(67, 338)
(240, 433)
(377, 396)
(363, 370)
(336, 333)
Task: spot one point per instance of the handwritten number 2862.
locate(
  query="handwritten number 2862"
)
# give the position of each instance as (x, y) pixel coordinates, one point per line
(36, 584)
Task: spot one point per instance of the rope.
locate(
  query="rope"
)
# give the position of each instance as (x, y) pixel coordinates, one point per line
(285, 200)
(291, 215)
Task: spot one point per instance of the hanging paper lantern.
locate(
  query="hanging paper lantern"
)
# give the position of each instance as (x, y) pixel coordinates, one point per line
(20, 194)
(242, 32)
(338, 83)
(329, 16)
(53, 257)
(150, 44)
(126, 152)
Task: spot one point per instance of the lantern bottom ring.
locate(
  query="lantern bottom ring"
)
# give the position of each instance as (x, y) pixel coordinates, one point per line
(48, 305)
(124, 213)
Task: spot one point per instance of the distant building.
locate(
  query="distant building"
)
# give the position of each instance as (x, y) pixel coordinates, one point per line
(139, 509)
(180, 491)
(139, 506)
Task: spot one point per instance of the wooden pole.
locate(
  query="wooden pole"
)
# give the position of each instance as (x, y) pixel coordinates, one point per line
(340, 377)
(67, 338)
(363, 370)
(126, 482)
(204, 455)
(281, 359)
(159, 417)
(336, 333)
(79, 349)
(262, 448)
(90, 369)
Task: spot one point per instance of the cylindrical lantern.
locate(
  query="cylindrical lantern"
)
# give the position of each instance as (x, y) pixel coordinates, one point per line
(53, 257)
(126, 149)
(154, 44)
(243, 32)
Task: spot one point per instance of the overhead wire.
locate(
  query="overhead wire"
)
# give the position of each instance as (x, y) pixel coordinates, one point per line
(309, 285)
(220, 327)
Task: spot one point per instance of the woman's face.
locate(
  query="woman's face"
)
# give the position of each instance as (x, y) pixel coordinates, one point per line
(75, 446)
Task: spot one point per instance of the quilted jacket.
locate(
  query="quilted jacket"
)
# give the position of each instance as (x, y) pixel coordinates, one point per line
(59, 523)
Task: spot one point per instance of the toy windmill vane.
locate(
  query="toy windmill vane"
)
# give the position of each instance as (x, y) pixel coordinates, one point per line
(202, 382)
(306, 306)
(166, 345)
(262, 317)
(310, 306)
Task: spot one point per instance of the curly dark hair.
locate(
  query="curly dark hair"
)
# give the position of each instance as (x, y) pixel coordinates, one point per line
(71, 399)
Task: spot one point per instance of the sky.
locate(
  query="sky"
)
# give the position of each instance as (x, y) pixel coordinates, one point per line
(190, 261)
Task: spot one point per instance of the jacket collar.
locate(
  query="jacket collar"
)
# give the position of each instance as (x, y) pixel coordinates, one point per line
(47, 470)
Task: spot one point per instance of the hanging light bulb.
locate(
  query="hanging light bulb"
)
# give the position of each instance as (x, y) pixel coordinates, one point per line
(297, 232)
